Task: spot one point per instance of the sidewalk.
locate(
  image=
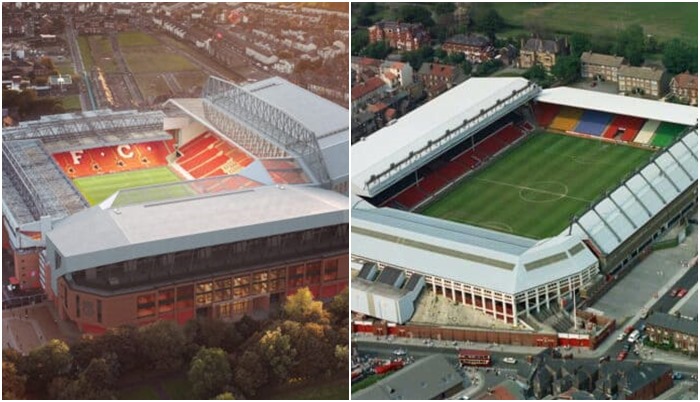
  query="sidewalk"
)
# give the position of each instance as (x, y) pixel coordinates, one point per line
(684, 300)
(26, 328)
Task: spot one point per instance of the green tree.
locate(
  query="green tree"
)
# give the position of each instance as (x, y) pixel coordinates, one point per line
(315, 352)
(444, 8)
(630, 44)
(275, 348)
(339, 308)
(566, 69)
(415, 13)
(125, 343)
(13, 384)
(341, 356)
(302, 307)
(250, 374)
(209, 372)
(226, 395)
(162, 345)
(466, 67)
(678, 57)
(377, 50)
(416, 58)
(579, 43)
(46, 363)
(360, 39)
(489, 22)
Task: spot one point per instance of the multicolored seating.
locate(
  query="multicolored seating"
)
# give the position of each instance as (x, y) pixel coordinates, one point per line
(208, 155)
(545, 113)
(593, 122)
(646, 133)
(566, 119)
(625, 127)
(666, 133)
(113, 159)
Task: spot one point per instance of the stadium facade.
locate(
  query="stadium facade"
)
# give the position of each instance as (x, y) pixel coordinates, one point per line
(253, 208)
(505, 275)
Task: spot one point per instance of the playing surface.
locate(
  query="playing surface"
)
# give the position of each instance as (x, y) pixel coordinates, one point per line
(97, 188)
(535, 188)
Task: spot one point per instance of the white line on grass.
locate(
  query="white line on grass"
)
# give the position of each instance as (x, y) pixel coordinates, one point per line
(533, 189)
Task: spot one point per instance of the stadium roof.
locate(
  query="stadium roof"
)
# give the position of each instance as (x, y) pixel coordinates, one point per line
(618, 104)
(428, 123)
(464, 253)
(100, 236)
(327, 120)
(619, 215)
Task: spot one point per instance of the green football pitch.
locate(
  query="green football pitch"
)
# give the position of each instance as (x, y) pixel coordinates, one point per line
(97, 188)
(535, 188)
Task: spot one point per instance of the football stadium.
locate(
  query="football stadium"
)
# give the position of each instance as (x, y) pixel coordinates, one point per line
(510, 199)
(218, 206)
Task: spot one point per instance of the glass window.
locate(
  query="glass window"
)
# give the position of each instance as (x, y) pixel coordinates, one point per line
(330, 271)
(185, 297)
(166, 300)
(146, 306)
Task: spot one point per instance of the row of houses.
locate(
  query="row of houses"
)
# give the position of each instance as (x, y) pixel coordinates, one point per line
(650, 81)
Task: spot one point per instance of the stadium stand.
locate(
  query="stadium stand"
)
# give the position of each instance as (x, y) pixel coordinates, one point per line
(666, 133)
(626, 127)
(104, 160)
(593, 122)
(545, 113)
(566, 119)
(439, 174)
(207, 156)
(288, 176)
(646, 133)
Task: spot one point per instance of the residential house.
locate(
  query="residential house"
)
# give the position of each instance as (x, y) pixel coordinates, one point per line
(541, 51)
(438, 78)
(365, 67)
(680, 332)
(647, 81)
(685, 87)
(475, 48)
(361, 93)
(396, 74)
(600, 66)
(399, 35)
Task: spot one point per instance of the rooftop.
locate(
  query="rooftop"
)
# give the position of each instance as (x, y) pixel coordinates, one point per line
(360, 90)
(645, 73)
(686, 80)
(602, 59)
(674, 323)
(469, 40)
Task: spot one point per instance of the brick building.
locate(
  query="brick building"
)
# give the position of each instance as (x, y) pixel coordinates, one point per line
(475, 48)
(685, 87)
(438, 78)
(361, 93)
(399, 35)
(541, 51)
(600, 66)
(680, 332)
(646, 81)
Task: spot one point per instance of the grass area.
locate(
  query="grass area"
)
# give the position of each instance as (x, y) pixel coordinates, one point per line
(178, 388)
(139, 393)
(664, 20)
(101, 53)
(364, 383)
(536, 187)
(71, 102)
(152, 85)
(65, 67)
(155, 60)
(322, 390)
(97, 188)
(85, 52)
(128, 39)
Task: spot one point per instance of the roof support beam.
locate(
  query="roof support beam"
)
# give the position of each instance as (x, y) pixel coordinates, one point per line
(623, 212)
(663, 200)
(597, 244)
(663, 172)
(680, 165)
(617, 236)
(638, 200)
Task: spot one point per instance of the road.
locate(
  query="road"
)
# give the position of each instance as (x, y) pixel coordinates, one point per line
(86, 102)
(136, 98)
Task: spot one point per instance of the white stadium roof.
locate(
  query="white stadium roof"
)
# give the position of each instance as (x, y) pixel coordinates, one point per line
(100, 236)
(619, 104)
(615, 218)
(429, 122)
(463, 253)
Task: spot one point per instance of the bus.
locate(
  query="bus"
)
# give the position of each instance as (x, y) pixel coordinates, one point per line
(474, 357)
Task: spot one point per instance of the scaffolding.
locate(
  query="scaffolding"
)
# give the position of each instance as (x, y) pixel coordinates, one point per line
(35, 186)
(264, 130)
(68, 132)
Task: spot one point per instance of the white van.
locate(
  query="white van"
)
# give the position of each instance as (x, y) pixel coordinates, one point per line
(633, 336)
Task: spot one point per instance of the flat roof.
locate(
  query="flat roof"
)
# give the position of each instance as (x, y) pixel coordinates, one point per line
(619, 104)
(196, 221)
(377, 152)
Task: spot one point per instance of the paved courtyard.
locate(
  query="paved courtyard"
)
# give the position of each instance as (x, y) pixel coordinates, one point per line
(644, 281)
(26, 328)
(440, 310)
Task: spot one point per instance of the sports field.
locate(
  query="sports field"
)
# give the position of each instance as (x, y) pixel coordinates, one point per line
(536, 187)
(97, 188)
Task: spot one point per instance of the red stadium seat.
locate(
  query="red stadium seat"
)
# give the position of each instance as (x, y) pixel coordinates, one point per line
(629, 126)
(207, 155)
(545, 113)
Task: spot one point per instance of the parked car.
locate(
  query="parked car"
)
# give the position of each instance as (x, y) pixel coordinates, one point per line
(677, 376)
(621, 337)
(682, 292)
(628, 330)
(626, 347)
(509, 360)
(674, 292)
(621, 356)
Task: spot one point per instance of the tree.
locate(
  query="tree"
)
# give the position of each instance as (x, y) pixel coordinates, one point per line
(276, 350)
(566, 69)
(444, 8)
(466, 67)
(250, 374)
(678, 57)
(302, 307)
(416, 58)
(315, 352)
(377, 50)
(579, 43)
(416, 13)
(205, 332)
(125, 343)
(46, 363)
(360, 39)
(630, 44)
(12, 382)
(538, 74)
(228, 395)
(490, 22)
(162, 345)
(339, 307)
(209, 372)
(341, 356)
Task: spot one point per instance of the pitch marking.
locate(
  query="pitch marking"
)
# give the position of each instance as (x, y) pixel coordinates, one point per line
(536, 190)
